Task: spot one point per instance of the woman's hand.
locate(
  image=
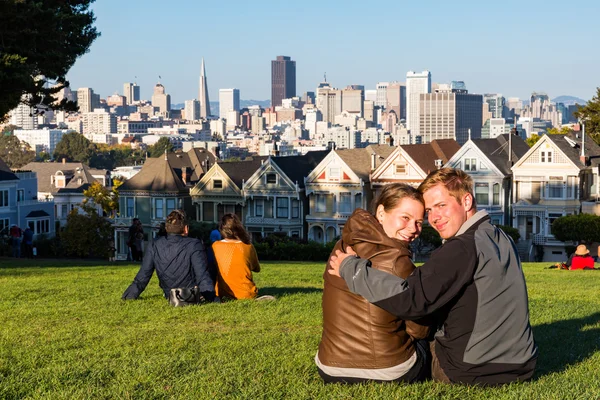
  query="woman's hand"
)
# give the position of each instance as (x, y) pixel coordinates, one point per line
(336, 260)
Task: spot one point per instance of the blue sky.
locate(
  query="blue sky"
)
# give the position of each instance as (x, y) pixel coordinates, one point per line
(510, 47)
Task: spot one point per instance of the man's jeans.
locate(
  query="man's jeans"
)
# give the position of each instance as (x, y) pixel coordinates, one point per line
(16, 247)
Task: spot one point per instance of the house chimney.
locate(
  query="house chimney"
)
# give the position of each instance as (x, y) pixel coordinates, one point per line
(184, 176)
(373, 161)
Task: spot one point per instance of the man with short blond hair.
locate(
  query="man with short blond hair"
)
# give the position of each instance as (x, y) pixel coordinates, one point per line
(473, 286)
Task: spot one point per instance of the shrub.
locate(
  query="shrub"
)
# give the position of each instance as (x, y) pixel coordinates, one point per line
(282, 247)
(510, 231)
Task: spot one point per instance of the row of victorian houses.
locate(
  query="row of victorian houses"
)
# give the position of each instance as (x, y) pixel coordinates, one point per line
(311, 196)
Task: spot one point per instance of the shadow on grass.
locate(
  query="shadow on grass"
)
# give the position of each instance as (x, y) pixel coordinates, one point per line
(284, 291)
(9, 262)
(564, 343)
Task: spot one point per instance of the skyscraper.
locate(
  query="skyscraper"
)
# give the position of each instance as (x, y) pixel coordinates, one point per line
(203, 95)
(192, 110)
(416, 84)
(131, 91)
(161, 99)
(283, 79)
(87, 100)
(229, 100)
(496, 102)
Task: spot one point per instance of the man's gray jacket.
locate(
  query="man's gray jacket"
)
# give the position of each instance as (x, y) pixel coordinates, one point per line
(474, 287)
(180, 262)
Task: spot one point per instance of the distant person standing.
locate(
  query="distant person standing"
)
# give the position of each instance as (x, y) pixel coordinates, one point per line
(28, 241)
(15, 236)
(215, 236)
(131, 238)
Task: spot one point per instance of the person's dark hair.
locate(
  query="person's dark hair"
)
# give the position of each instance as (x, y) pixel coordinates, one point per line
(231, 228)
(176, 222)
(393, 193)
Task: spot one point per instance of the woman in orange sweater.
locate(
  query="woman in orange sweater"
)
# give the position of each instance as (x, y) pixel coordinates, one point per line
(236, 260)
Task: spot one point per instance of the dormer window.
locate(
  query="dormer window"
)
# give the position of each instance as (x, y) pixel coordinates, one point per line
(217, 184)
(271, 179)
(400, 169)
(470, 164)
(546, 156)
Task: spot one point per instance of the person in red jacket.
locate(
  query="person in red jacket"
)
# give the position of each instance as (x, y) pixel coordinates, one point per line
(582, 259)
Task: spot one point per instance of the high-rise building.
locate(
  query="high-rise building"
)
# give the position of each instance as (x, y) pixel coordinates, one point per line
(229, 100)
(203, 95)
(24, 115)
(416, 84)
(496, 103)
(353, 98)
(41, 139)
(381, 99)
(542, 108)
(371, 95)
(87, 100)
(99, 122)
(131, 91)
(192, 110)
(396, 99)
(450, 114)
(283, 79)
(329, 102)
(161, 99)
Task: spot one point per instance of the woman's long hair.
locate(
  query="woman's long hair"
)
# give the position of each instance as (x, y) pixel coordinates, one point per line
(231, 228)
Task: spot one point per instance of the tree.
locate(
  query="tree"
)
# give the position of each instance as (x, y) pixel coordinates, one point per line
(14, 152)
(40, 41)
(106, 198)
(590, 115)
(555, 131)
(159, 148)
(86, 234)
(9, 129)
(512, 232)
(43, 156)
(428, 239)
(74, 147)
(577, 228)
(533, 139)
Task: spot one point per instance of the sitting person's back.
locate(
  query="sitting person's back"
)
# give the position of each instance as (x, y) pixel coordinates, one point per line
(236, 259)
(361, 341)
(180, 262)
(582, 259)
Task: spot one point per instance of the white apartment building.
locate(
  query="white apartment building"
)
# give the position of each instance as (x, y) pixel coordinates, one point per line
(329, 102)
(23, 116)
(131, 91)
(381, 97)
(417, 83)
(41, 139)
(99, 122)
(229, 100)
(87, 100)
(371, 95)
(192, 110)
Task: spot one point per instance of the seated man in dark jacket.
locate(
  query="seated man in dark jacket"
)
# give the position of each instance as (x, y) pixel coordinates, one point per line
(180, 262)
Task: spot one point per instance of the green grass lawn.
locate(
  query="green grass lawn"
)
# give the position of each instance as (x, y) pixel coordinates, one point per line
(66, 333)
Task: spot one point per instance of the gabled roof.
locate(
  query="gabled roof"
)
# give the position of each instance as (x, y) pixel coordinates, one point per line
(425, 154)
(591, 149)
(81, 177)
(156, 175)
(197, 160)
(5, 173)
(239, 171)
(359, 160)
(496, 150)
(297, 167)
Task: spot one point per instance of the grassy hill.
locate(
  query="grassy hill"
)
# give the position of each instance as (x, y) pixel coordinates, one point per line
(65, 333)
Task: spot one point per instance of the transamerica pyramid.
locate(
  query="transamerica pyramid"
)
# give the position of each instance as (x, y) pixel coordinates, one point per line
(203, 93)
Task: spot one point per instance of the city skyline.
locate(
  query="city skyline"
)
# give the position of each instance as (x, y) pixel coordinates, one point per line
(491, 53)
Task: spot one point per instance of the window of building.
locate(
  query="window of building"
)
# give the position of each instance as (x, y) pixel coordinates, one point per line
(496, 194)
(320, 203)
(39, 226)
(159, 211)
(259, 208)
(64, 210)
(271, 179)
(282, 207)
(170, 206)
(555, 187)
(129, 201)
(482, 194)
(208, 211)
(217, 184)
(345, 205)
(295, 209)
(334, 173)
(295, 234)
(470, 164)
(400, 169)
(572, 186)
(3, 198)
(358, 201)
(551, 218)
(546, 156)
(4, 226)
(20, 195)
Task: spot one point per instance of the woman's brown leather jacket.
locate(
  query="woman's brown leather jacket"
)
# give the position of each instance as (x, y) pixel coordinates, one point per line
(357, 334)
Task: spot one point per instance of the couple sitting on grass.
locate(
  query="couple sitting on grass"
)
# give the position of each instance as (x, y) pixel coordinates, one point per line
(181, 262)
(380, 312)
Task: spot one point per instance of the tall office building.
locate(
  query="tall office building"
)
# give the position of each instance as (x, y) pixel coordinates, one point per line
(329, 102)
(99, 122)
(353, 98)
(160, 99)
(416, 84)
(192, 110)
(450, 114)
(396, 99)
(381, 98)
(203, 95)
(131, 91)
(283, 79)
(496, 103)
(87, 100)
(23, 115)
(229, 100)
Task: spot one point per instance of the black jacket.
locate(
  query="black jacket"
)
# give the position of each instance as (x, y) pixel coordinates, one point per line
(180, 262)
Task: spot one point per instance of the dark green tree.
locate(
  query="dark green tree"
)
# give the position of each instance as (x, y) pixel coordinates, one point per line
(158, 149)
(43, 156)
(510, 231)
(74, 147)
(429, 239)
(577, 228)
(9, 129)
(14, 152)
(40, 41)
(590, 115)
(86, 234)
(533, 139)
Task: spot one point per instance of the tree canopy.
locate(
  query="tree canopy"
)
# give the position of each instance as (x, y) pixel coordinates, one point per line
(74, 147)
(14, 152)
(158, 149)
(577, 228)
(590, 115)
(40, 42)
